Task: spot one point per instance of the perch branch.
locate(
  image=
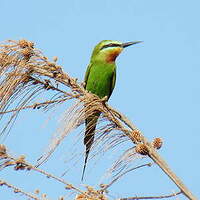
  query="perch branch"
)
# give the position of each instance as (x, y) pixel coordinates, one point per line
(158, 159)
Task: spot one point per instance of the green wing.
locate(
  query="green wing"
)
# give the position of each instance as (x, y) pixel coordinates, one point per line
(87, 74)
(113, 82)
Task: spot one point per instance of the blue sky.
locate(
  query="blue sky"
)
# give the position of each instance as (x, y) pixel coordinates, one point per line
(157, 86)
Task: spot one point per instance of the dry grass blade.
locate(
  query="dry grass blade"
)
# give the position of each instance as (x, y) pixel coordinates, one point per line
(123, 164)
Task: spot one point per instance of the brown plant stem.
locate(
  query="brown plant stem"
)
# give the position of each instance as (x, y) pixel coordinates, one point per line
(25, 165)
(153, 197)
(164, 166)
(18, 190)
(159, 161)
(35, 105)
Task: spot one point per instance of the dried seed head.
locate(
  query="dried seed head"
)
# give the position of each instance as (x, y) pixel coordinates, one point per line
(50, 64)
(81, 197)
(16, 190)
(90, 189)
(142, 149)
(21, 158)
(90, 196)
(157, 143)
(27, 53)
(24, 44)
(44, 195)
(2, 183)
(37, 191)
(2, 149)
(68, 187)
(136, 136)
(55, 58)
(102, 185)
(20, 163)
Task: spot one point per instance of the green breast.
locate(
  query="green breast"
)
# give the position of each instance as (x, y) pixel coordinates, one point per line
(100, 79)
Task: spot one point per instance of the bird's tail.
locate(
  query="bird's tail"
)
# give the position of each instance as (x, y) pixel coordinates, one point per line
(90, 123)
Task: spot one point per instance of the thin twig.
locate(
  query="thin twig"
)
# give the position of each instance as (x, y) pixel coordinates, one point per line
(35, 105)
(48, 84)
(68, 185)
(134, 168)
(22, 164)
(18, 190)
(153, 197)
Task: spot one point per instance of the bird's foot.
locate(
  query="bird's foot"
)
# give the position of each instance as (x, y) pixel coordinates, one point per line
(104, 99)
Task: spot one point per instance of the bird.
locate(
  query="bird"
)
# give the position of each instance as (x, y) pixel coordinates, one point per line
(100, 78)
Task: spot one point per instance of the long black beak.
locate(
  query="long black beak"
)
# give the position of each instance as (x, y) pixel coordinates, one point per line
(124, 45)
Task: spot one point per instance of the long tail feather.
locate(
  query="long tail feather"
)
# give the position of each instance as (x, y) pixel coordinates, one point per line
(91, 123)
(85, 163)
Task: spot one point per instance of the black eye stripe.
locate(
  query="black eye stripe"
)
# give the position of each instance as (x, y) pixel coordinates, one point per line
(110, 45)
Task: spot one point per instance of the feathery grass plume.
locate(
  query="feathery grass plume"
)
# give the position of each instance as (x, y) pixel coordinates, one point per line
(73, 118)
(5, 160)
(22, 76)
(123, 162)
(108, 133)
(23, 71)
(13, 71)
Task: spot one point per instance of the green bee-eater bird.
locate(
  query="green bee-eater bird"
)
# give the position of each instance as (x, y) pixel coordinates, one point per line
(100, 80)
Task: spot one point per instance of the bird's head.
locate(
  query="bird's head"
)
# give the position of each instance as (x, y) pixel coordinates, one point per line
(108, 50)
